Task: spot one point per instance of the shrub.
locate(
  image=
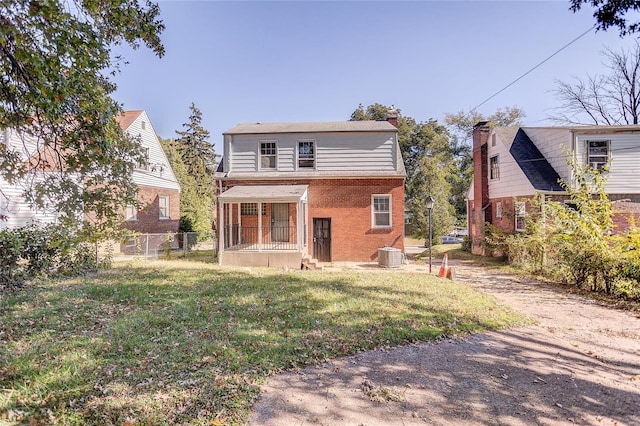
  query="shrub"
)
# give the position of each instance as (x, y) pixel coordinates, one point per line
(34, 251)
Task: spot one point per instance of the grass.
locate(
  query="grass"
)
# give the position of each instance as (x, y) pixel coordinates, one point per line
(455, 252)
(182, 342)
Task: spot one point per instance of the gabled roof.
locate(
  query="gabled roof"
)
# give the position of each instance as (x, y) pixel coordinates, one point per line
(535, 166)
(128, 117)
(312, 127)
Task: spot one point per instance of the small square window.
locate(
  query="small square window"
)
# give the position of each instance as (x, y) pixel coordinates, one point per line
(381, 211)
(251, 209)
(163, 205)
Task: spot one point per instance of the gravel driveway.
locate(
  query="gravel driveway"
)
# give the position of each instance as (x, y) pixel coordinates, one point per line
(579, 365)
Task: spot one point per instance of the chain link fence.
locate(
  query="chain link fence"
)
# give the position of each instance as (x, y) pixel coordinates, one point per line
(162, 246)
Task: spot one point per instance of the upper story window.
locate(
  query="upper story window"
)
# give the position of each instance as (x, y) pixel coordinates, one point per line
(163, 205)
(306, 154)
(494, 167)
(598, 154)
(521, 212)
(381, 211)
(143, 125)
(268, 155)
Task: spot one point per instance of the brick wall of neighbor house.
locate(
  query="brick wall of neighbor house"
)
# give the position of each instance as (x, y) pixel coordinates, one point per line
(148, 217)
(347, 202)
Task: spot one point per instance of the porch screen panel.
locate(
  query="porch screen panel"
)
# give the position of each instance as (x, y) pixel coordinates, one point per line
(280, 222)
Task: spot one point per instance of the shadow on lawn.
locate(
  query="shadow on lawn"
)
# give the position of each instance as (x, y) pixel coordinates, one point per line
(175, 345)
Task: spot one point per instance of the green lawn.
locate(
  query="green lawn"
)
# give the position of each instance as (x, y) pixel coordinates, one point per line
(187, 342)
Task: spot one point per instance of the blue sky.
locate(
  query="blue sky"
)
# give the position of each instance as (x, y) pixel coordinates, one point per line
(316, 61)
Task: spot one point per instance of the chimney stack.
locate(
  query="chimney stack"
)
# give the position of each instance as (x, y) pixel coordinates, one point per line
(392, 116)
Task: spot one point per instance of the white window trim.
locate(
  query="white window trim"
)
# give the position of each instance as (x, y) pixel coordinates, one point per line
(168, 205)
(498, 209)
(315, 154)
(131, 208)
(373, 213)
(519, 211)
(497, 157)
(260, 155)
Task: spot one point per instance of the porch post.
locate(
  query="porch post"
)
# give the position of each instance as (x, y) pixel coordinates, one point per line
(259, 226)
(299, 224)
(220, 229)
(239, 226)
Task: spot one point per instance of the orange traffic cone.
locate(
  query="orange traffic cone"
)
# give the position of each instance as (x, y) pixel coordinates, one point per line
(444, 269)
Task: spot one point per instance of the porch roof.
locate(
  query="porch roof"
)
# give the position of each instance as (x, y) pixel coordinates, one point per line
(270, 193)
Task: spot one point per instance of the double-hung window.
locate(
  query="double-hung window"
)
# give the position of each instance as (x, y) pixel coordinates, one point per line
(268, 155)
(494, 167)
(381, 211)
(163, 205)
(306, 154)
(597, 154)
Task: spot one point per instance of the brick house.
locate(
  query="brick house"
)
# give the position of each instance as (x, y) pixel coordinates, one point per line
(514, 164)
(158, 209)
(289, 193)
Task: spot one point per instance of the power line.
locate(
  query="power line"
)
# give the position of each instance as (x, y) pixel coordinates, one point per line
(532, 69)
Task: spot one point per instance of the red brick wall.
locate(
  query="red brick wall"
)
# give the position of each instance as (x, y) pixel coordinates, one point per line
(148, 220)
(347, 202)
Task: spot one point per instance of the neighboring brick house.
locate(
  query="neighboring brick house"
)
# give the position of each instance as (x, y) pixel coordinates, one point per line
(158, 209)
(159, 196)
(512, 164)
(329, 191)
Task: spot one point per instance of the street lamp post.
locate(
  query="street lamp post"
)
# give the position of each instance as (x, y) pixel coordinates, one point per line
(429, 203)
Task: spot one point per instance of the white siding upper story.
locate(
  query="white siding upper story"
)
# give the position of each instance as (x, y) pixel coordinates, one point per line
(623, 176)
(12, 204)
(554, 143)
(158, 172)
(512, 181)
(344, 150)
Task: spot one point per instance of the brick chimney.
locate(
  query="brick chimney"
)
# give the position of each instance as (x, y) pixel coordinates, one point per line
(481, 211)
(392, 116)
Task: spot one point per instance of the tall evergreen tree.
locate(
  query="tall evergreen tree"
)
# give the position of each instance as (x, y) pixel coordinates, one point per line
(197, 157)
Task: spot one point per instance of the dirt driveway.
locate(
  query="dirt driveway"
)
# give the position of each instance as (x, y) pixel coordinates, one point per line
(580, 364)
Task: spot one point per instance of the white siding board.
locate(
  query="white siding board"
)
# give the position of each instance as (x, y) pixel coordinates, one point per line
(512, 181)
(624, 172)
(554, 144)
(160, 174)
(334, 151)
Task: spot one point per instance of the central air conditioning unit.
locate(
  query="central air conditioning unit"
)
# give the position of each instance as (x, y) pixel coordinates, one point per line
(389, 257)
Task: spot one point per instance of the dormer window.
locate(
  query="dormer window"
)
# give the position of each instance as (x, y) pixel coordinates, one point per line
(268, 155)
(306, 154)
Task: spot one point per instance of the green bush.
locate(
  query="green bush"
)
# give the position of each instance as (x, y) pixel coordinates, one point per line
(34, 251)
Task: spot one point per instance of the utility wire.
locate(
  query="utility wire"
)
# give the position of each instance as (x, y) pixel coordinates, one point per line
(532, 69)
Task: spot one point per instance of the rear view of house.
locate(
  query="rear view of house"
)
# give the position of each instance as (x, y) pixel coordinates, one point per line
(289, 193)
(512, 165)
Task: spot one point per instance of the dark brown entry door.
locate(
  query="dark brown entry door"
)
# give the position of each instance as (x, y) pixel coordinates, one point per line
(322, 239)
(280, 222)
